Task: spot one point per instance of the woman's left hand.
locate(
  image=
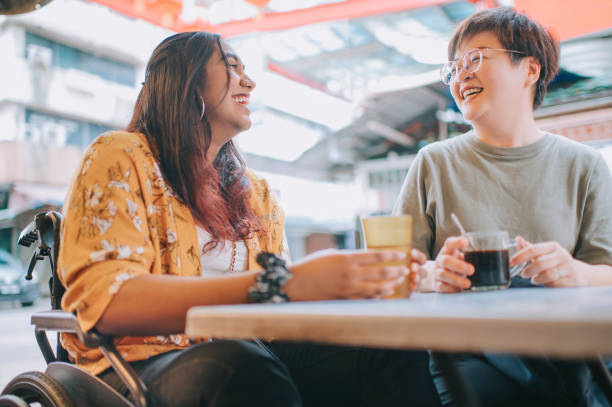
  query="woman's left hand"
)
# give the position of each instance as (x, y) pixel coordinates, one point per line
(551, 264)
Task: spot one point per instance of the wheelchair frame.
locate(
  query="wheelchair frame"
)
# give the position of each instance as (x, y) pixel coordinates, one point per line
(83, 389)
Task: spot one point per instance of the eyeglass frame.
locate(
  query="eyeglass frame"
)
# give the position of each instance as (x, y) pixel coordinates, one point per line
(464, 62)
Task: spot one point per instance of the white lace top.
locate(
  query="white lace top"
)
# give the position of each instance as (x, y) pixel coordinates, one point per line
(218, 260)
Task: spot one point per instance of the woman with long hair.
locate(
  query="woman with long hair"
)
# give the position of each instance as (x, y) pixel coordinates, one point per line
(165, 216)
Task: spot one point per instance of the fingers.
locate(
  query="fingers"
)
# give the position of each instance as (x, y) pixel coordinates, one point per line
(452, 244)
(418, 269)
(414, 279)
(451, 270)
(369, 257)
(522, 243)
(446, 277)
(418, 256)
(442, 287)
(545, 262)
(375, 289)
(549, 276)
(455, 264)
(550, 264)
(533, 251)
(380, 272)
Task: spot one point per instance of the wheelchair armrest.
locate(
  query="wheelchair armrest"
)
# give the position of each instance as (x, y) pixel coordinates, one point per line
(62, 321)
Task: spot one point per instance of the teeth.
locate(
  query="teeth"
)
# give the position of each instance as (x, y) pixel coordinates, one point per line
(471, 91)
(243, 100)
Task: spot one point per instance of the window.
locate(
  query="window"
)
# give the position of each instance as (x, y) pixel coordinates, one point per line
(66, 57)
(45, 128)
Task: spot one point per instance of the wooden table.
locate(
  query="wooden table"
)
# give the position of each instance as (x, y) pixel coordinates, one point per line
(561, 322)
(556, 322)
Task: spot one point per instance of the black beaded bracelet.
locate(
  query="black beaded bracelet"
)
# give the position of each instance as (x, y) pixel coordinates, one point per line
(269, 284)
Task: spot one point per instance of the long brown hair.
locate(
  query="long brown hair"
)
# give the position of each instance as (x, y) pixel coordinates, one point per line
(168, 112)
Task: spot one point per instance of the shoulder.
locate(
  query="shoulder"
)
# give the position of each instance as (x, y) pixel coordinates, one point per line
(262, 199)
(121, 142)
(128, 149)
(444, 149)
(257, 183)
(115, 156)
(573, 148)
(579, 155)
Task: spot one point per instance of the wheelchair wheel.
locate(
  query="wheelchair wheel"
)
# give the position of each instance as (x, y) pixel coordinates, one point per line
(37, 387)
(9, 400)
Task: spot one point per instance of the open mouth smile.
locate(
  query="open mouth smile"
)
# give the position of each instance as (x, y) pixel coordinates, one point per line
(470, 92)
(241, 99)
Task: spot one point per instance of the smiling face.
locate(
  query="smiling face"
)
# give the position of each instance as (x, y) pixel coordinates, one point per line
(227, 103)
(497, 90)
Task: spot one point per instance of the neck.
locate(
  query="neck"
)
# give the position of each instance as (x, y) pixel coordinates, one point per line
(212, 152)
(515, 130)
(219, 136)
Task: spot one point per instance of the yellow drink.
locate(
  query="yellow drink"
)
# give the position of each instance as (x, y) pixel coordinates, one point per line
(403, 290)
(391, 233)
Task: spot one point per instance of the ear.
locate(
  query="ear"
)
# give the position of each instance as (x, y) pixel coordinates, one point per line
(532, 69)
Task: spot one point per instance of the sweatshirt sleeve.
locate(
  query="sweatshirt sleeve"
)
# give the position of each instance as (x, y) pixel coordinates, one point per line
(413, 200)
(594, 244)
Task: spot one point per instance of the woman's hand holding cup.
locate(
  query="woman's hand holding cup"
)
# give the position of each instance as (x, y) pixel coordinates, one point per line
(339, 274)
(550, 264)
(546, 263)
(451, 271)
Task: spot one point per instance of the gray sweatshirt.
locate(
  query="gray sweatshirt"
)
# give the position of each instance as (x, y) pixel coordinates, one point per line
(552, 190)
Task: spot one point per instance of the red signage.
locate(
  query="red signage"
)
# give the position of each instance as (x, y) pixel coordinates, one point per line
(569, 18)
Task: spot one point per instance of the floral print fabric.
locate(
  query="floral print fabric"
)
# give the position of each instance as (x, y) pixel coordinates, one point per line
(122, 220)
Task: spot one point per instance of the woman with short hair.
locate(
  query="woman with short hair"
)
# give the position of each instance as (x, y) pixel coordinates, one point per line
(507, 174)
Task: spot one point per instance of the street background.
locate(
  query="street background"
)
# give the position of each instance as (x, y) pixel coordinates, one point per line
(18, 349)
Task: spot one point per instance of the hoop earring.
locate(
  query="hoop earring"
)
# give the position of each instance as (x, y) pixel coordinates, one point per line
(203, 108)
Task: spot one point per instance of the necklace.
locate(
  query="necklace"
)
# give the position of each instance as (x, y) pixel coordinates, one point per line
(233, 260)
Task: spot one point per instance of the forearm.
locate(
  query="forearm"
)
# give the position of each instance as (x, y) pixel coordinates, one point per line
(157, 304)
(597, 274)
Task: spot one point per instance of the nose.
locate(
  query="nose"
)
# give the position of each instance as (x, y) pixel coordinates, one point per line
(462, 73)
(247, 83)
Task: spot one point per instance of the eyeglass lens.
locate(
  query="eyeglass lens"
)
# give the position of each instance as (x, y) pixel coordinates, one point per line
(470, 61)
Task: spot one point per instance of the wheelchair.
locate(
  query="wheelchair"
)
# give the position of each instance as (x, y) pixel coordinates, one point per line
(64, 384)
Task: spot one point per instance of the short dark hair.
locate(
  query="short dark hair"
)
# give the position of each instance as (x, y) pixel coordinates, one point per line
(515, 31)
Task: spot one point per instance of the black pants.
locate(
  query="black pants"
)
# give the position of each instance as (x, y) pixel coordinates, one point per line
(505, 381)
(349, 376)
(243, 373)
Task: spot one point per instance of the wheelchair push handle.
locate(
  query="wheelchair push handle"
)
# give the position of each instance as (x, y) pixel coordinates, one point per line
(35, 257)
(28, 235)
(44, 231)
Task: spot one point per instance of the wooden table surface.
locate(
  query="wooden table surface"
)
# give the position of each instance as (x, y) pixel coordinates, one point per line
(562, 322)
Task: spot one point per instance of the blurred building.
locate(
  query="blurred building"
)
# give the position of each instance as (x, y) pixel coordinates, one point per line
(69, 73)
(332, 92)
(348, 91)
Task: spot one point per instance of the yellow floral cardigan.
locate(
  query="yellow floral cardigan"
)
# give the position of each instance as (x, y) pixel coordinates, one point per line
(122, 220)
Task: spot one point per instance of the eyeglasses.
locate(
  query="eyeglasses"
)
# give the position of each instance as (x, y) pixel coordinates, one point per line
(470, 61)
